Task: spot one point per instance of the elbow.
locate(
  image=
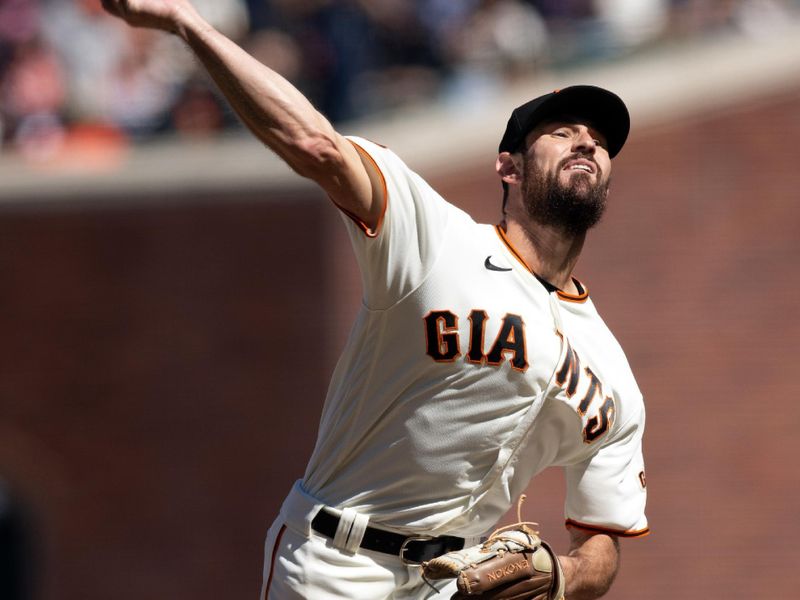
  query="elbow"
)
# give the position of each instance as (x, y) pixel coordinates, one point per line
(315, 155)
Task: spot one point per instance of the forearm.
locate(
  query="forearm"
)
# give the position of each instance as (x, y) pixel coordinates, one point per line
(590, 566)
(270, 106)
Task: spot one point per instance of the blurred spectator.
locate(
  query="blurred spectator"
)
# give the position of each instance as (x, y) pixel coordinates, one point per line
(19, 23)
(69, 73)
(337, 46)
(90, 47)
(500, 41)
(505, 37)
(278, 50)
(137, 92)
(33, 94)
(443, 18)
(573, 29)
(198, 112)
(407, 64)
(692, 17)
(631, 23)
(229, 16)
(762, 18)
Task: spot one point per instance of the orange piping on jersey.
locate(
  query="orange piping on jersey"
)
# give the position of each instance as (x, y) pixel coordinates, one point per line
(632, 533)
(272, 561)
(377, 143)
(501, 232)
(578, 298)
(384, 190)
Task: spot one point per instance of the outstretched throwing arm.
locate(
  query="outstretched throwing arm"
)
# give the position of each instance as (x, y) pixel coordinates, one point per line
(271, 107)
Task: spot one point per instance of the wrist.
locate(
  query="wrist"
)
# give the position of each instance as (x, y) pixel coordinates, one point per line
(187, 23)
(569, 565)
(573, 582)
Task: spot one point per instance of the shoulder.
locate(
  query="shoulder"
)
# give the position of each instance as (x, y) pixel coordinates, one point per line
(401, 182)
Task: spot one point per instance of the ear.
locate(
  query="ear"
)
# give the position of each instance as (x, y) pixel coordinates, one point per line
(508, 169)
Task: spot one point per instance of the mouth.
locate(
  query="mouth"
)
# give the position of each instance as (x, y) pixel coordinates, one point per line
(581, 164)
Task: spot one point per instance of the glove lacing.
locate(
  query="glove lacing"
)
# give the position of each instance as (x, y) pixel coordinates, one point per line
(528, 527)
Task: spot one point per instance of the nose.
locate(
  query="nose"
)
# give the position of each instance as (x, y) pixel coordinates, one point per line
(584, 142)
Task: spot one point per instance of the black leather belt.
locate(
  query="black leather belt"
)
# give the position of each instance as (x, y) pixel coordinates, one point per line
(411, 549)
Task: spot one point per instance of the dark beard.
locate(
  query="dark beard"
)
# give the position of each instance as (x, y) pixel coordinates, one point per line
(574, 208)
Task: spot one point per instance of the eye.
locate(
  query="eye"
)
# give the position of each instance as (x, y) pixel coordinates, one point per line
(598, 139)
(561, 133)
(602, 143)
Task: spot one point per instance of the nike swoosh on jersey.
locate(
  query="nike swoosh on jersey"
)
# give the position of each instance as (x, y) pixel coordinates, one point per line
(492, 267)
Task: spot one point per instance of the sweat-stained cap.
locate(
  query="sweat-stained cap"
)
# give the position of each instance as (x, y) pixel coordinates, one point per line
(602, 109)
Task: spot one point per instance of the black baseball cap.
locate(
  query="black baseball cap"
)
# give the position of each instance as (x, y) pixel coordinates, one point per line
(603, 109)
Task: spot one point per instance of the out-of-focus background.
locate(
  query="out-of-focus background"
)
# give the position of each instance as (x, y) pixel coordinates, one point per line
(173, 299)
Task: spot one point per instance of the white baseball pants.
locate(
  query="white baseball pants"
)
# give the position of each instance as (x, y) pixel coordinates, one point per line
(300, 564)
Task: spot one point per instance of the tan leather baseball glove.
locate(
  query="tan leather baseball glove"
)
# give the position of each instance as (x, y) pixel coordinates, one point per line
(512, 564)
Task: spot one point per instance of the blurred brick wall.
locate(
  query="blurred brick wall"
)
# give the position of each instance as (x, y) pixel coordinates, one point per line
(162, 368)
(156, 366)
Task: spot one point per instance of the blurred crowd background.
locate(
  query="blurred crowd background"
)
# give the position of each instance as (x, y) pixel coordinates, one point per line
(69, 72)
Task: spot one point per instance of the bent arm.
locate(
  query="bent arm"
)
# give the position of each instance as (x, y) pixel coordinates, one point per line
(591, 565)
(271, 107)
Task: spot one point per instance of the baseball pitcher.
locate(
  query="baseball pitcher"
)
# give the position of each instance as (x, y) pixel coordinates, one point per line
(476, 360)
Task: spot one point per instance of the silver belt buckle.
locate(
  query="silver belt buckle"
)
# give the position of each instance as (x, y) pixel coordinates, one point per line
(413, 538)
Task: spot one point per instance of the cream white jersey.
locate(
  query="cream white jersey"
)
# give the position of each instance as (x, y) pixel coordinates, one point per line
(464, 376)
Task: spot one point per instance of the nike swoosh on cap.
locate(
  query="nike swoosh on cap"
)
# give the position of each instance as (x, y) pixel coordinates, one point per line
(492, 267)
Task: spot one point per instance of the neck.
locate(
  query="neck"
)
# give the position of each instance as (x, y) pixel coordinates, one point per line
(549, 252)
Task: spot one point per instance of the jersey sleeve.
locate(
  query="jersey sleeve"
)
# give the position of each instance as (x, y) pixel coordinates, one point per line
(607, 492)
(395, 258)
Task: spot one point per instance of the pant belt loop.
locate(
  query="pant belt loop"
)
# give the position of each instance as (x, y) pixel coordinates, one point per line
(357, 532)
(350, 531)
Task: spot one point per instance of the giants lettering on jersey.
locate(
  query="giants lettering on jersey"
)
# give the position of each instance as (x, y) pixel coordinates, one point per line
(444, 344)
(602, 409)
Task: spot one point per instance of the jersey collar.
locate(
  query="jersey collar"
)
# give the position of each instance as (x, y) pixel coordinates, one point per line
(583, 292)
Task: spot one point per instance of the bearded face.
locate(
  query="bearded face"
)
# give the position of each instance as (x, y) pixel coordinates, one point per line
(573, 202)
